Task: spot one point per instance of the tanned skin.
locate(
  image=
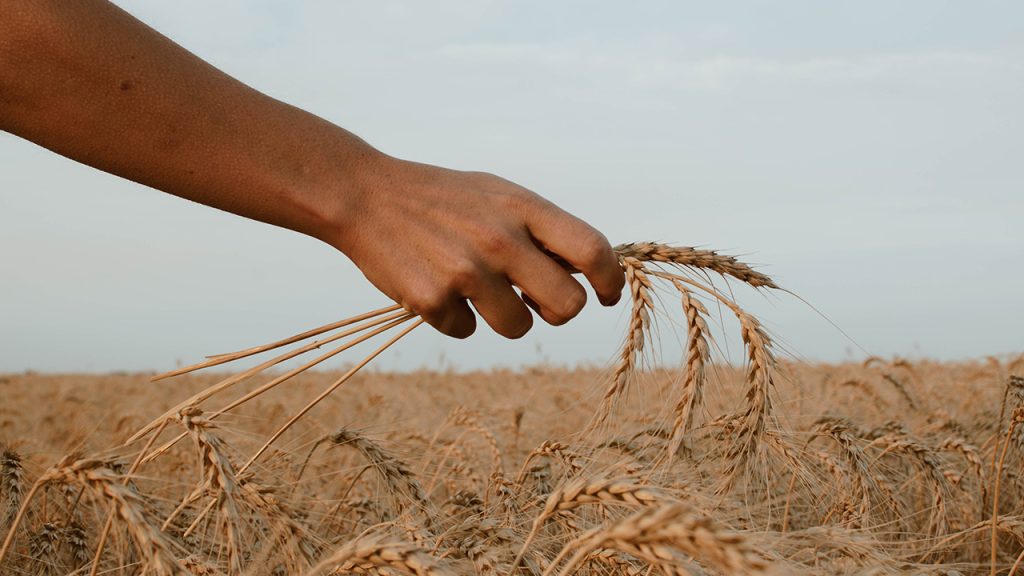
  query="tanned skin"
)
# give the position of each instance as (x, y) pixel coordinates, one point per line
(88, 81)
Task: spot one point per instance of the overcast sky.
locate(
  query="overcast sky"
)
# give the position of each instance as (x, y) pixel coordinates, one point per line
(869, 155)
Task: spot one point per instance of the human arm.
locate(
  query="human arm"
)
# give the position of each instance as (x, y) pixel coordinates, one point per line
(87, 80)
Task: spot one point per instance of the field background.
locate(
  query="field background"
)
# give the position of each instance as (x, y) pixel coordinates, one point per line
(879, 467)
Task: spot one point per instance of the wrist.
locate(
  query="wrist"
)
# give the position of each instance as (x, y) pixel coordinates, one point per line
(349, 186)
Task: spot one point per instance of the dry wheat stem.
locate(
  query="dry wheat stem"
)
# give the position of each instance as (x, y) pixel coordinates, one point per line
(389, 321)
(1015, 420)
(1014, 384)
(394, 321)
(328, 391)
(1016, 564)
(279, 380)
(217, 359)
(12, 531)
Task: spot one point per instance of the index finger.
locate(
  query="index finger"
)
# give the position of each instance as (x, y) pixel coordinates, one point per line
(581, 246)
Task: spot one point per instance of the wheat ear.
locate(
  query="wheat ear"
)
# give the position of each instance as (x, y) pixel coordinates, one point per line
(12, 484)
(372, 552)
(695, 258)
(398, 477)
(582, 491)
(667, 535)
(640, 287)
(697, 357)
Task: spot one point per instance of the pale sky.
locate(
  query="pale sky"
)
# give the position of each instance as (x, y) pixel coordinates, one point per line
(868, 155)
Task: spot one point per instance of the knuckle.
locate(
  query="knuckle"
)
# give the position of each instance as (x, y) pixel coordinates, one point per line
(497, 244)
(593, 249)
(483, 176)
(511, 202)
(462, 275)
(491, 180)
(516, 199)
(430, 304)
(537, 205)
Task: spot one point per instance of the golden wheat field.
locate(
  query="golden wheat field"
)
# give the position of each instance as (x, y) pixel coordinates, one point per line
(757, 466)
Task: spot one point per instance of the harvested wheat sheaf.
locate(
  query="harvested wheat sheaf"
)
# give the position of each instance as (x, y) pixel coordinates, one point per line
(767, 467)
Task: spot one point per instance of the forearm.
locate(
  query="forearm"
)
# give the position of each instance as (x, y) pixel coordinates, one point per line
(89, 81)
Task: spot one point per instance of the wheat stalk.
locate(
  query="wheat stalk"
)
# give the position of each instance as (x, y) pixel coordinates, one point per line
(1016, 419)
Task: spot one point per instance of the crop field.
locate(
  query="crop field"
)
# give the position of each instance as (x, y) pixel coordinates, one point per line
(761, 465)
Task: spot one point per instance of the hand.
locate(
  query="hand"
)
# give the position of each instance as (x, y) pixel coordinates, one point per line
(432, 238)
